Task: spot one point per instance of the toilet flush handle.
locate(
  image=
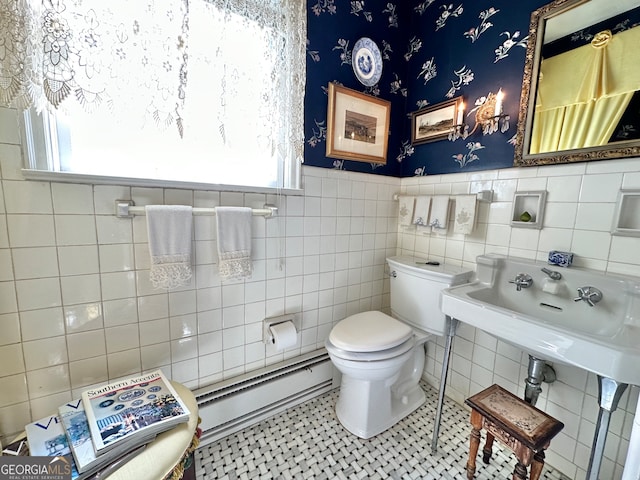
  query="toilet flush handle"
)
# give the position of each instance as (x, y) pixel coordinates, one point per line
(393, 274)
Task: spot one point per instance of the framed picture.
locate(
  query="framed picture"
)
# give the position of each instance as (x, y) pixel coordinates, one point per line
(436, 121)
(357, 126)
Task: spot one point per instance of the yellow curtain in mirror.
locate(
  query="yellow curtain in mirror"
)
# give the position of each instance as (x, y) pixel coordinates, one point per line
(583, 93)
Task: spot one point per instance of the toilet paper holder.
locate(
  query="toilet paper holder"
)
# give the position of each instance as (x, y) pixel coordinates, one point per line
(267, 336)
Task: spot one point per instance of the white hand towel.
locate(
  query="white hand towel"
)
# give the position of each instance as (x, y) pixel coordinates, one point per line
(405, 210)
(421, 213)
(465, 214)
(169, 232)
(439, 214)
(234, 242)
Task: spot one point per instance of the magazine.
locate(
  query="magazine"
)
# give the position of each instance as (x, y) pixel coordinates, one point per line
(143, 405)
(46, 438)
(76, 427)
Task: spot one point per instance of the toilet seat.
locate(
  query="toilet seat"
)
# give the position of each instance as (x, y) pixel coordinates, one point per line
(370, 356)
(369, 336)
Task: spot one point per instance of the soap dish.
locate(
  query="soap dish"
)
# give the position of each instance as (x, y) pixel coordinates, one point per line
(561, 259)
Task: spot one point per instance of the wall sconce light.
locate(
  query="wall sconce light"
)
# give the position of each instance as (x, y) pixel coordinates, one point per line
(459, 130)
(488, 114)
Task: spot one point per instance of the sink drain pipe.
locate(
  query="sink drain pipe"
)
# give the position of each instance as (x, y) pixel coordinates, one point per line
(538, 372)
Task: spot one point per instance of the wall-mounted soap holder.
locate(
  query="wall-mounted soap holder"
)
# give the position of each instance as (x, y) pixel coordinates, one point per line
(528, 209)
(626, 220)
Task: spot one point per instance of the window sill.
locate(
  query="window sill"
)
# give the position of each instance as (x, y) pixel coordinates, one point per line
(62, 177)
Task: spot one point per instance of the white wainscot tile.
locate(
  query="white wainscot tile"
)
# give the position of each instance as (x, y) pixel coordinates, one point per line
(564, 188)
(182, 326)
(625, 250)
(37, 324)
(181, 303)
(233, 357)
(48, 381)
(154, 332)
(124, 337)
(11, 360)
(555, 239)
(10, 328)
(151, 307)
(112, 229)
(600, 187)
(72, 198)
(45, 353)
(86, 345)
(83, 317)
(155, 356)
(27, 197)
(36, 262)
(524, 238)
(594, 216)
(6, 266)
(120, 312)
(184, 349)
(88, 372)
(591, 244)
(210, 321)
(125, 363)
(13, 389)
(105, 196)
(118, 285)
(185, 371)
(38, 293)
(116, 258)
(78, 260)
(560, 215)
(31, 230)
(80, 289)
(209, 343)
(75, 229)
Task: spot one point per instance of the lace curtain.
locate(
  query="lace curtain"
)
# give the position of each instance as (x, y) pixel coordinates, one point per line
(146, 57)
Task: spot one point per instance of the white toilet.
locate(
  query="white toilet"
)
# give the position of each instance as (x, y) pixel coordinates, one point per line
(382, 358)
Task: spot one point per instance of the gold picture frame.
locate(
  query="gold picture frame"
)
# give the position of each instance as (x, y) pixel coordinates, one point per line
(434, 122)
(357, 126)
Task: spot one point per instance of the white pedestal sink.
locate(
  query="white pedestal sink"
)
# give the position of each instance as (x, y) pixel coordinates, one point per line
(547, 319)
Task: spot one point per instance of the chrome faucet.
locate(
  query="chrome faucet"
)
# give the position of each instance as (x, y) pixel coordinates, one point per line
(552, 274)
(591, 295)
(522, 280)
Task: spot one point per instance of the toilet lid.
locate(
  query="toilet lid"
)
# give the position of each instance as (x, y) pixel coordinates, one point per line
(369, 332)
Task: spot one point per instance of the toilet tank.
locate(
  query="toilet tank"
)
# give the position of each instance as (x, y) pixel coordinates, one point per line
(415, 291)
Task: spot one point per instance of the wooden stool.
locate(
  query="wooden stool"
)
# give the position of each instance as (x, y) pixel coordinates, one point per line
(523, 428)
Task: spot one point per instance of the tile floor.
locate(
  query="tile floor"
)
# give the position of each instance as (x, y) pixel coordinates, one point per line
(307, 441)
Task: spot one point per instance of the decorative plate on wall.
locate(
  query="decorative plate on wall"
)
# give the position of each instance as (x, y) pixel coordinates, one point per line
(367, 62)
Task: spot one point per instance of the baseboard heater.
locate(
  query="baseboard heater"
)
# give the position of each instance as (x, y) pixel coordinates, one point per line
(229, 406)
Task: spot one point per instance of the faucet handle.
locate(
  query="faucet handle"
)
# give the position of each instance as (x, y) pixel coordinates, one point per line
(591, 295)
(553, 275)
(522, 280)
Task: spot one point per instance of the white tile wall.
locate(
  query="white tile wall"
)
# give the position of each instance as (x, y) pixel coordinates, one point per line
(578, 217)
(76, 305)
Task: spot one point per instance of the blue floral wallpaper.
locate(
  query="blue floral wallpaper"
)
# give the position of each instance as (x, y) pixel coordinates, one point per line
(432, 51)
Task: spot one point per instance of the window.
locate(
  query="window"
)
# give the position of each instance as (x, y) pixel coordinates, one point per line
(192, 91)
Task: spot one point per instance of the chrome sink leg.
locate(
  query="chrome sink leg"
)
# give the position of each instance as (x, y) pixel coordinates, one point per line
(538, 372)
(452, 323)
(609, 393)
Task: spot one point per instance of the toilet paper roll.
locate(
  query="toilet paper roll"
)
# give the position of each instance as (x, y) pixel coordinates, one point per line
(284, 335)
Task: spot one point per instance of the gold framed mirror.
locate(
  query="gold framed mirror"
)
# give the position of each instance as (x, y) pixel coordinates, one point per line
(575, 100)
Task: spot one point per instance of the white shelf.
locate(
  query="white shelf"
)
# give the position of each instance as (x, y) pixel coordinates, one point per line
(626, 220)
(531, 203)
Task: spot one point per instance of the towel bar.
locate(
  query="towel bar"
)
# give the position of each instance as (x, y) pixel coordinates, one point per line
(126, 209)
